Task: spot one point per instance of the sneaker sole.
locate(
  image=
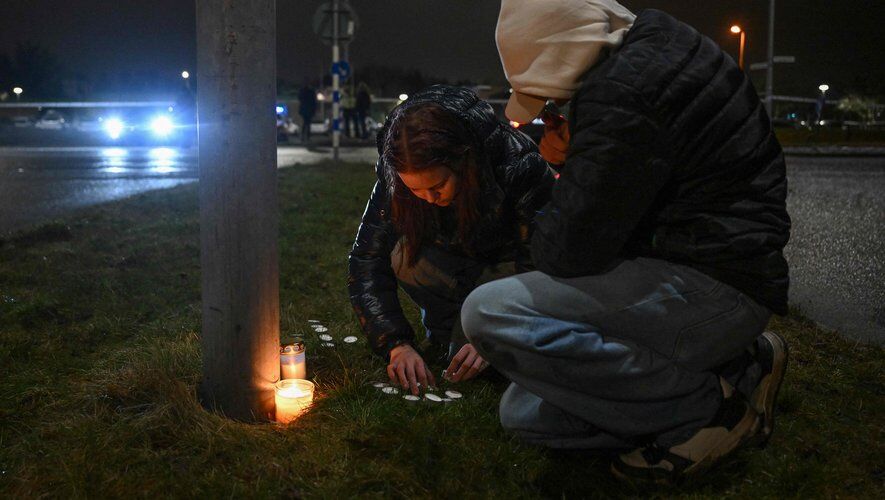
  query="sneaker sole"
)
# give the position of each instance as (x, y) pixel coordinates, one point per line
(766, 395)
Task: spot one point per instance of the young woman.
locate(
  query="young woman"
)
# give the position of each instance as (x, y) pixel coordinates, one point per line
(453, 205)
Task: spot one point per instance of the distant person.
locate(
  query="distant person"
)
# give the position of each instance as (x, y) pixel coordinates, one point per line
(660, 255)
(363, 107)
(348, 107)
(452, 207)
(307, 107)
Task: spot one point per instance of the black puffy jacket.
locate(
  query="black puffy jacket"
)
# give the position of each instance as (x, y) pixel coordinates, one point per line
(672, 156)
(515, 182)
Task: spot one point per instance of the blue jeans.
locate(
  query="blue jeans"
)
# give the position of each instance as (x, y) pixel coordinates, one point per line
(614, 360)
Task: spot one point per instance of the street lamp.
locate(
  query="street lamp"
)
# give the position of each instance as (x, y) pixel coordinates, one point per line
(185, 75)
(18, 93)
(737, 30)
(824, 88)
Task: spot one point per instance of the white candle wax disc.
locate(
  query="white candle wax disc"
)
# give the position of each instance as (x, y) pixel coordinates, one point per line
(453, 394)
(433, 397)
(390, 390)
(447, 400)
(409, 397)
(326, 337)
(328, 344)
(380, 385)
(350, 339)
(320, 329)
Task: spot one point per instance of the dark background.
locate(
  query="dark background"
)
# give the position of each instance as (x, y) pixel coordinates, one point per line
(136, 46)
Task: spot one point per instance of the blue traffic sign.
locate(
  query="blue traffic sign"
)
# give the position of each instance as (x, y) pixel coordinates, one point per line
(342, 69)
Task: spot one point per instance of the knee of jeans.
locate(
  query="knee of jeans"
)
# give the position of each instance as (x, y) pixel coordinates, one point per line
(482, 304)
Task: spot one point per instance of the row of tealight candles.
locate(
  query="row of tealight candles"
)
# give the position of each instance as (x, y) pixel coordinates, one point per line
(293, 394)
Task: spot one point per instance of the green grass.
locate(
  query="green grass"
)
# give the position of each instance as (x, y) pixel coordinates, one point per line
(99, 364)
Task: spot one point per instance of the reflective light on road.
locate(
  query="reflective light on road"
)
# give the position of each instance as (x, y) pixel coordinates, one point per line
(114, 159)
(162, 153)
(114, 152)
(163, 160)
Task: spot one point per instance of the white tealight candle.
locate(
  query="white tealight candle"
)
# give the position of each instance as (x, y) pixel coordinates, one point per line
(293, 397)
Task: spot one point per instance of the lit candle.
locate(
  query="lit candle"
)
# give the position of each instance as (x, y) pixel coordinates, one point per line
(292, 362)
(293, 397)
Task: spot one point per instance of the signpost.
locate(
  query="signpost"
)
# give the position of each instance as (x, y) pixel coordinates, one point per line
(335, 23)
(236, 95)
(777, 60)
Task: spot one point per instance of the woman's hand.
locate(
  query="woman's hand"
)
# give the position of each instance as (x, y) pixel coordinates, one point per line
(465, 365)
(408, 369)
(554, 143)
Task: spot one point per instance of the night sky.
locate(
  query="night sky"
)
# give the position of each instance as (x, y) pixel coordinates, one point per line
(840, 42)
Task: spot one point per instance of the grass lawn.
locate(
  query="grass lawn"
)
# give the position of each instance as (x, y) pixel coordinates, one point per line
(100, 360)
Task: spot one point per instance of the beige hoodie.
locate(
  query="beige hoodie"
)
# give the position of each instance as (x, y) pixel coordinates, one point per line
(546, 46)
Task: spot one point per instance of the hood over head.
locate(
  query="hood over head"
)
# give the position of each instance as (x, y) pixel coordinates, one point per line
(546, 46)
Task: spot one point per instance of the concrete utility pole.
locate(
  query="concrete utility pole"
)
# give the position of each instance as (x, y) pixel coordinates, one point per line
(769, 79)
(236, 95)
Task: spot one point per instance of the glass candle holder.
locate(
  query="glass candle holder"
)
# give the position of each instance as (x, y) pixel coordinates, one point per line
(293, 397)
(292, 361)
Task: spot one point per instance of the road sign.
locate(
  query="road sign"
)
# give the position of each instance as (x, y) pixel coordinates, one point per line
(342, 69)
(777, 60)
(347, 19)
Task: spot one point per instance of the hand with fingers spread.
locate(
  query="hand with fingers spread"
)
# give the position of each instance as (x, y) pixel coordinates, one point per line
(407, 368)
(465, 365)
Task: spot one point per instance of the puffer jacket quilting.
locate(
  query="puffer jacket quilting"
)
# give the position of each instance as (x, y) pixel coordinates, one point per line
(672, 156)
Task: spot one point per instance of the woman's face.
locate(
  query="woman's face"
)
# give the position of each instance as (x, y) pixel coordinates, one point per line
(435, 185)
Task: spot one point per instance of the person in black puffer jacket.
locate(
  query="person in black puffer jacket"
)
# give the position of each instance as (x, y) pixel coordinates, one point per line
(453, 206)
(660, 255)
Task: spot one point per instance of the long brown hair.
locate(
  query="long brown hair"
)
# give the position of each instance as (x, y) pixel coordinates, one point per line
(423, 136)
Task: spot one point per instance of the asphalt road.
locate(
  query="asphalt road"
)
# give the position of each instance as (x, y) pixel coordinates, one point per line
(836, 253)
(41, 183)
(837, 205)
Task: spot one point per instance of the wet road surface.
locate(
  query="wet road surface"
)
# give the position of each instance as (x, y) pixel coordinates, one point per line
(41, 183)
(837, 204)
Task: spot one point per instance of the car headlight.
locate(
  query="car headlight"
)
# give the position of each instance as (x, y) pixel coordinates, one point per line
(162, 126)
(114, 127)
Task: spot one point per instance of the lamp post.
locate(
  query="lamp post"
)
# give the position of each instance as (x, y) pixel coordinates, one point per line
(185, 75)
(18, 93)
(821, 102)
(737, 30)
(769, 73)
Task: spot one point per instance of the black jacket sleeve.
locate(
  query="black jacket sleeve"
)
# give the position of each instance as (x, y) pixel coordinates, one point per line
(372, 283)
(612, 175)
(528, 187)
